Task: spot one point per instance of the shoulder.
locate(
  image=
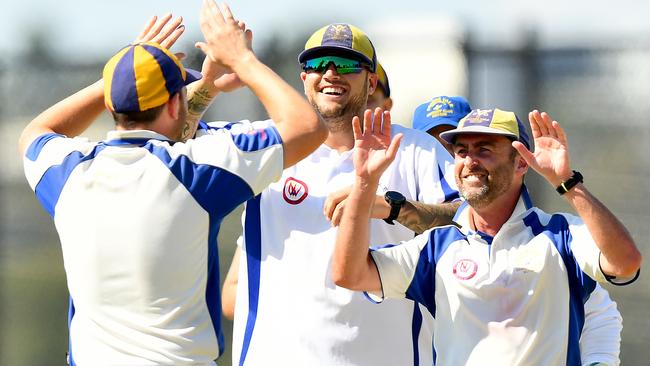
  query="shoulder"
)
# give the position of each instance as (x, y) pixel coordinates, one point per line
(233, 128)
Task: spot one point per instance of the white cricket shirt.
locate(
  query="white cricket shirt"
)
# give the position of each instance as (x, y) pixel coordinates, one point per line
(138, 218)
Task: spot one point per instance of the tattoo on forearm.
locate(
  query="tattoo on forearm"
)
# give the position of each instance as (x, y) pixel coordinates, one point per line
(198, 101)
(420, 217)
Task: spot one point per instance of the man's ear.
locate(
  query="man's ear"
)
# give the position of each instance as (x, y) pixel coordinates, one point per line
(388, 104)
(522, 165)
(372, 82)
(174, 105)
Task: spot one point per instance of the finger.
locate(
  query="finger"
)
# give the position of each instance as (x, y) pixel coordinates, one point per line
(180, 55)
(338, 213)
(387, 125)
(205, 18)
(215, 12)
(528, 156)
(561, 135)
(146, 29)
(249, 38)
(548, 123)
(171, 39)
(227, 13)
(356, 127)
(534, 127)
(155, 29)
(204, 48)
(168, 30)
(541, 122)
(241, 25)
(376, 120)
(367, 121)
(328, 207)
(394, 145)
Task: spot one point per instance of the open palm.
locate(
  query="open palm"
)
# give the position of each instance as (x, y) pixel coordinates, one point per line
(551, 156)
(373, 148)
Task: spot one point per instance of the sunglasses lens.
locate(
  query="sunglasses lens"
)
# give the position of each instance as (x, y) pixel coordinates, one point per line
(342, 65)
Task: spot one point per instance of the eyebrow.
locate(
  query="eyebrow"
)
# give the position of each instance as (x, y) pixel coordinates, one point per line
(478, 144)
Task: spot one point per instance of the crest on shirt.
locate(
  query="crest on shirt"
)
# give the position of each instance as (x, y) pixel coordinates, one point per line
(295, 191)
(465, 269)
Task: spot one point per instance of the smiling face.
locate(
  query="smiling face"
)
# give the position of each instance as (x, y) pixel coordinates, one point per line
(338, 97)
(487, 167)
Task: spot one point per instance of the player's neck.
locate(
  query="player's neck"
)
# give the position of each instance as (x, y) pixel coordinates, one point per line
(340, 140)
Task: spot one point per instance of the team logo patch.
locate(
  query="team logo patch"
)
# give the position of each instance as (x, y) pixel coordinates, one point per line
(295, 191)
(465, 269)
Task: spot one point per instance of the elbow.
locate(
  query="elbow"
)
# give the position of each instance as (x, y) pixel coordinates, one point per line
(342, 278)
(633, 264)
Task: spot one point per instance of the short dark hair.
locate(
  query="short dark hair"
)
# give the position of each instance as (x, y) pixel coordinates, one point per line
(129, 119)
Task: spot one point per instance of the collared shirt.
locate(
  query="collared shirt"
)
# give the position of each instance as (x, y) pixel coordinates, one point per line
(138, 217)
(513, 299)
(288, 310)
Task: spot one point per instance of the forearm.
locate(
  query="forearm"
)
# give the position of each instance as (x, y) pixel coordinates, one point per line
(420, 217)
(619, 254)
(69, 117)
(352, 266)
(200, 95)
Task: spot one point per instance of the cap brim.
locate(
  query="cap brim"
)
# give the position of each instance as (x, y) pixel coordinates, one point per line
(333, 50)
(434, 123)
(449, 135)
(192, 76)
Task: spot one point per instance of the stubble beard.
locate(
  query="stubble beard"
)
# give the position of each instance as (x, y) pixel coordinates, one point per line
(340, 119)
(481, 197)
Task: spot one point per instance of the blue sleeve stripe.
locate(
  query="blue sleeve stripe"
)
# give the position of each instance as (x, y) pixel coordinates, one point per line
(450, 194)
(253, 244)
(217, 190)
(51, 184)
(213, 289)
(416, 326)
(422, 288)
(71, 311)
(35, 148)
(257, 139)
(580, 285)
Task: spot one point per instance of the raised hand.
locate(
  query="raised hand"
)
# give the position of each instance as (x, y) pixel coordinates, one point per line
(223, 78)
(159, 30)
(551, 156)
(226, 43)
(373, 148)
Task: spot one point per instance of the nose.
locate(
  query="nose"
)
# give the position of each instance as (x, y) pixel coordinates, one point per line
(469, 161)
(331, 72)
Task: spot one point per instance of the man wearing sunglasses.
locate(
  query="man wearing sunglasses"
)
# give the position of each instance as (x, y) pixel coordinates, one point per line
(288, 310)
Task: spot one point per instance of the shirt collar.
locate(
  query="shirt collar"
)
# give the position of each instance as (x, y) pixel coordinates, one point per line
(523, 205)
(133, 137)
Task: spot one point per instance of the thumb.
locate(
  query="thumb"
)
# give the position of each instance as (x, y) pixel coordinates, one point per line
(528, 156)
(394, 144)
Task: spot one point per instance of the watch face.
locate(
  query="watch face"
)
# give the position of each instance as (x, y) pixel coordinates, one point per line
(395, 197)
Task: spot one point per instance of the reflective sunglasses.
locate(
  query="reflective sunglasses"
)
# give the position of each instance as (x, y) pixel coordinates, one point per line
(341, 64)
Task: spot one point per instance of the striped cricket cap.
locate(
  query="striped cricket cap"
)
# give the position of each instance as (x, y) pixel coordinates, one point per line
(382, 79)
(340, 39)
(143, 76)
(490, 121)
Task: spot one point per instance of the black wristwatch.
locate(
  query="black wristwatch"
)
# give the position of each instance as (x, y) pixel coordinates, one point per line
(566, 186)
(396, 200)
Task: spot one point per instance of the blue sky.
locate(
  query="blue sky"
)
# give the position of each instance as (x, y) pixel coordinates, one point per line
(93, 28)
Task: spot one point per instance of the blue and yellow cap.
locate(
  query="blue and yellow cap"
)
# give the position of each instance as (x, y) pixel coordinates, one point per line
(340, 39)
(442, 110)
(490, 121)
(382, 80)
(143, 76)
